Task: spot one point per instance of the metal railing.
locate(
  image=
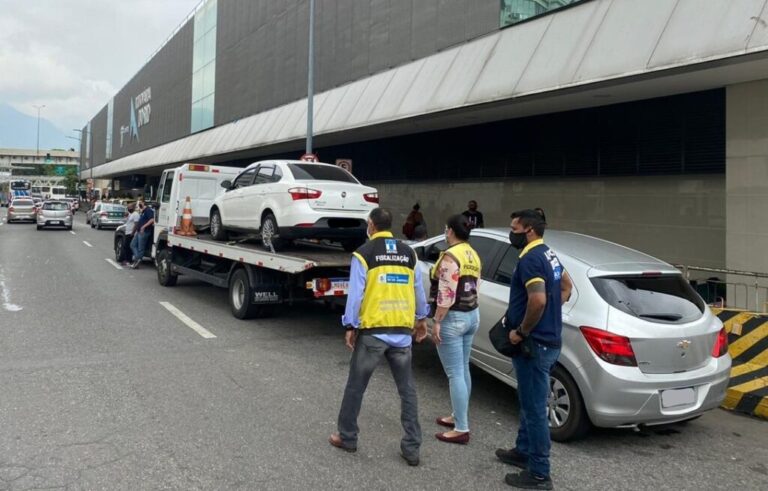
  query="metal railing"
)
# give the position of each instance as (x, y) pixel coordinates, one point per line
(730, 293)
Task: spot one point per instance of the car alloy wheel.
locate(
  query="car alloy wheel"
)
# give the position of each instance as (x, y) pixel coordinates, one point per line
(267, 232)
(558, 404)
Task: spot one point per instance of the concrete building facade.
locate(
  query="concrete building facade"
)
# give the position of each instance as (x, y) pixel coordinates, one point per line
(640, 122)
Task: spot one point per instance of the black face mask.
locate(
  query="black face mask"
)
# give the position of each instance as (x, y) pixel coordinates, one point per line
(518, 241)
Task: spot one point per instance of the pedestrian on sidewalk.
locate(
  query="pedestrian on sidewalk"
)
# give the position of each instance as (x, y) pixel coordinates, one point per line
(386, 309)
(145, 231)
(414, 221)
(539, 287)
(130, 230)
(455, 281)
(474, 216)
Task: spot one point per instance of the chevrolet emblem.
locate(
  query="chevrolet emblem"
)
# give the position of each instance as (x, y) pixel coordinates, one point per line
(684, 344)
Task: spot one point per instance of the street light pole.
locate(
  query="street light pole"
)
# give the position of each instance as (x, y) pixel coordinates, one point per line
(38, 127)
(310, 76)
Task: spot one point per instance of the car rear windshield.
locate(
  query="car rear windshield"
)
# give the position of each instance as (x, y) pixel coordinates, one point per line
(663, 298)
(317, 172)
(119, 208)
(56, 206)
(23, 202)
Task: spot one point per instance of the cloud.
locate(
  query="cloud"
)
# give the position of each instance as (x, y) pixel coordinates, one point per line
(74, 55)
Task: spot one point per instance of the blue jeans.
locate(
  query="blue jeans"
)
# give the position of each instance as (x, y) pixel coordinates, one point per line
(457, 332)
(138, 244)
(532, 391)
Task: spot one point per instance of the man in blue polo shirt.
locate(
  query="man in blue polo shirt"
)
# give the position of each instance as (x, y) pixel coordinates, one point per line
(539, 287)
(144, 232)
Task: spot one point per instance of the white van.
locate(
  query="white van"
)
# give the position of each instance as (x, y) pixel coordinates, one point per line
(58, 193)
(202, 183)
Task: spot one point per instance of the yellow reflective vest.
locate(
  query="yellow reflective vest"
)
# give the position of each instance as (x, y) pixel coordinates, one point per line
(470, 268)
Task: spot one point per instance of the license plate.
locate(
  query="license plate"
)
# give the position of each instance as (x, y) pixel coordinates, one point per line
(678, 397)
(55, 222)
(115, 215)
(330, 287)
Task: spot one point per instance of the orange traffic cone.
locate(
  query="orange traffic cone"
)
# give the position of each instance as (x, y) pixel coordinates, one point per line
(187, 228)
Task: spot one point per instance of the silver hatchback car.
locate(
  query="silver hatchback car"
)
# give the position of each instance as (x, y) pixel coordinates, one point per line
(640, 346)
(54, 213)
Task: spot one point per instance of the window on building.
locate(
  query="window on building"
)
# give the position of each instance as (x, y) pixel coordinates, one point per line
(514, 11)
(204, 67)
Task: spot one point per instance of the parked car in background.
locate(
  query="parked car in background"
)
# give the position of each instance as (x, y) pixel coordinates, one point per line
(283, 200)
(55, 213)
(21, 209)
(640, 346)
(38, 203)
(89, 213)
(108, 215)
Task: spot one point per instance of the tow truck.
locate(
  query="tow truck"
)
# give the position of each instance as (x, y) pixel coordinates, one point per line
(258, 280)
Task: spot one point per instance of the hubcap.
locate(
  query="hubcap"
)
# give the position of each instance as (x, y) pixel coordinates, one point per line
(267, 232)
(558, 403)
(238, 294)
(215, 224)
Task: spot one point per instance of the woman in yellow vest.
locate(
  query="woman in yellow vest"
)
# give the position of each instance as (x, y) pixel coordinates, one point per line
(453, 296)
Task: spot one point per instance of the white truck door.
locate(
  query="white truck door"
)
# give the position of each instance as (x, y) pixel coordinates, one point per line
(166, 216)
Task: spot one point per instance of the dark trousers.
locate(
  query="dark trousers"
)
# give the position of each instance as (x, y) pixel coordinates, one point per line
(126, 255)
(367, 354)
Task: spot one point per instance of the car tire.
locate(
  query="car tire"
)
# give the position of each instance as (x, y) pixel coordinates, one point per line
(268, 230)
(98, 227)
(218, 232)
(119, 247)
(39, 227)
(351, 245)
(164, 274)
(565, 398)
(69, 227)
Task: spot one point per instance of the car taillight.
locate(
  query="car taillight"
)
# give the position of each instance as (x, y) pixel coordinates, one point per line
(304, 193)
(323, 284)
(721, 344)
(371, 197)
(615, 349)
(10, 208)
(103, 214)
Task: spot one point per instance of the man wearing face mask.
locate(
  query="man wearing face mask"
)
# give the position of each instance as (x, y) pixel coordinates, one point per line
(386, 309)
(539, 287)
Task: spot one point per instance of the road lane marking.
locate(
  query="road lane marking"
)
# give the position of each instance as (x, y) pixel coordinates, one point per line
(86, 243)
(5, 295)
(72, 232)
(189, 322)
(113, 263)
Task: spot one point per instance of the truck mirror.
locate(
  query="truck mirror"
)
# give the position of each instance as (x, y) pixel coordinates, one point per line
(226, 184)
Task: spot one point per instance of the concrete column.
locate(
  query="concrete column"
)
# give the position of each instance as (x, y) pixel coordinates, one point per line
(747, 189)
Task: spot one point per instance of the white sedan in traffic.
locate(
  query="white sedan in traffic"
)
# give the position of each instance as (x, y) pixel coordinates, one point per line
(283, 200)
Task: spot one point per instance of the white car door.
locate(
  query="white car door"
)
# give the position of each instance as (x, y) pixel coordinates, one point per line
(234, 212)
(166, 213)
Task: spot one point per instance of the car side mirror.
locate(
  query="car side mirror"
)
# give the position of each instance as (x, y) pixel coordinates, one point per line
(226, 185)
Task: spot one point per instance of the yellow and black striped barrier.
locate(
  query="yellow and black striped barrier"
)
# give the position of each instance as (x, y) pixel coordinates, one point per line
(748, 346)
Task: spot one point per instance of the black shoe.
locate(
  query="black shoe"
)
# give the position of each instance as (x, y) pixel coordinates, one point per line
(512, 457)
(412, 461)
(526, 480)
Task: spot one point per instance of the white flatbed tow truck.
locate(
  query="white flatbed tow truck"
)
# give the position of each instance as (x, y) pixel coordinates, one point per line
(258, 280)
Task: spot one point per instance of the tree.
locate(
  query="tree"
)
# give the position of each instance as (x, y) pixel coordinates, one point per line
(71, 180)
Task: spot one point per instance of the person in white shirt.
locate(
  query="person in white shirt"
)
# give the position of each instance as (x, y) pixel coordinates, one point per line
(130, 230)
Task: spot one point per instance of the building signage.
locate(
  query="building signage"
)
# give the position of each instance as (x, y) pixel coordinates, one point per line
(140, 114)
(345, 164)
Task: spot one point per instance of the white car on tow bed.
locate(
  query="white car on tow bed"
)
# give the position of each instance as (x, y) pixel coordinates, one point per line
(283, 200)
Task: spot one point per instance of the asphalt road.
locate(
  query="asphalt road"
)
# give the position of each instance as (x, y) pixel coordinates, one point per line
(101, 387)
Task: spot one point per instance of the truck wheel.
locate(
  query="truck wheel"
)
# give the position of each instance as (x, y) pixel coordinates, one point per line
(217, 227)
(568, 418)
(240, 295)
(268, 231)
(164, 274)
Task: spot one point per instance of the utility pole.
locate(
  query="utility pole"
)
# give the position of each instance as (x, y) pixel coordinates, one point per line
(310, 77)
(38, 127)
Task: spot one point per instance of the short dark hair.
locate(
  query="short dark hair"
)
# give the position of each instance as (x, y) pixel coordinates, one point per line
(416, 207)
(541, 212)
(531, 218)
(382, 219)
(459, 225)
